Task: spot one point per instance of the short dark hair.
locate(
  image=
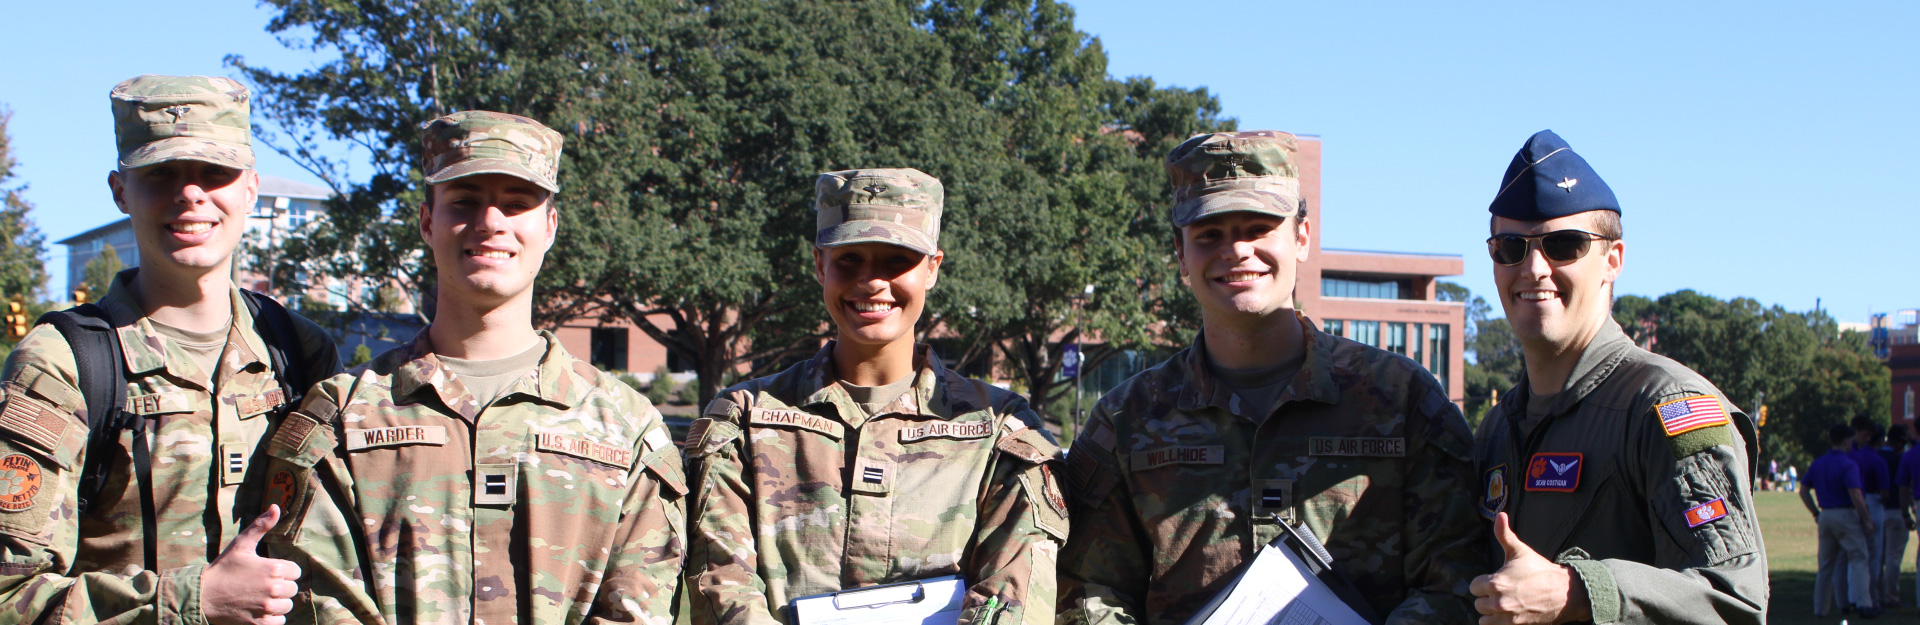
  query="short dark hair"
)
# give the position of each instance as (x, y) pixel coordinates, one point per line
(1839, 434)
(1862, 422)
(1899, 434)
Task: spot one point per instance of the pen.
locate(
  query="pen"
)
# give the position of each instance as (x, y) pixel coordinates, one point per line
(993, 610)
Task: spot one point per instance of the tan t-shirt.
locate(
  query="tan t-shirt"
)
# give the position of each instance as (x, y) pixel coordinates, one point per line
(1259, 387)
(204, 348)
(486, 380)
(873, 398)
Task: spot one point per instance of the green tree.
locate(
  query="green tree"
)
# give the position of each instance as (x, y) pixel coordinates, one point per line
(702, 125)
(1494, 361)
(1812, 374)
(23, 248)
(98, 274)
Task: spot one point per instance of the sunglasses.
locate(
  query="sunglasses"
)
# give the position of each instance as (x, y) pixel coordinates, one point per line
(1559, 246)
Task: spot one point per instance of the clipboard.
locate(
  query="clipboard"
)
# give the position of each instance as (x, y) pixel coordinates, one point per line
(930, 601)
(1290, 581)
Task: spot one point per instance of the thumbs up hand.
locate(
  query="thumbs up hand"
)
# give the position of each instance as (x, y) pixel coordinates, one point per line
(242, 588)
(1528, 588)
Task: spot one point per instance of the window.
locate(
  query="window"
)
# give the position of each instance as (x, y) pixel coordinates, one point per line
(297, 214)
(1396, 339)
(607, 348)
(1437, 351)
(1335, 327)
(1336, 285)
(1367, 332)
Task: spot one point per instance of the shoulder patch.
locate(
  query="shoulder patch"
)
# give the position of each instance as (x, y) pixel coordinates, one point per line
(1707, 512)
(721, 408)
(40, 425)
(20, 479)
(1100, 434)
(1694, 424)
(704, 440)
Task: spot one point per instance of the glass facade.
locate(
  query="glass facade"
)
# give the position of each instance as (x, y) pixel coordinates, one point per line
(1366, 332)
(1438, 351)
(1363, 288)
(1396, 338)
(1334, 327)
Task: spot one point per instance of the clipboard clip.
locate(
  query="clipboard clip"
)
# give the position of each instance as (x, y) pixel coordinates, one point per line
(1309, 544)
(852, 597)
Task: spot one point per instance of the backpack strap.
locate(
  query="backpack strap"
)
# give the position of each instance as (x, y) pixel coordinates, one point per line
(101, 368)
(275, 326)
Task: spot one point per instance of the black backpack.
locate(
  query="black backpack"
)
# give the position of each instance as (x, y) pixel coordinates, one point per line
(102, 376)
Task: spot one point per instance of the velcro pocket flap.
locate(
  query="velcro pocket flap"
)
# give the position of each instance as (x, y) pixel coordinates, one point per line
(709, 435)
(664, 466)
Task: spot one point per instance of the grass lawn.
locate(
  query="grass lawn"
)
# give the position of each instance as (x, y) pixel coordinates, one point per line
(1791, 560)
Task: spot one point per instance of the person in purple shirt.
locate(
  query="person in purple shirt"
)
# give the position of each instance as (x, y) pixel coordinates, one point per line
(1841, 512)
(1908, 477)
(1875, 479)
(1896, 520)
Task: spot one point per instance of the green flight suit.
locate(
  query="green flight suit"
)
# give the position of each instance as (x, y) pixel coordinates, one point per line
(1659, 526)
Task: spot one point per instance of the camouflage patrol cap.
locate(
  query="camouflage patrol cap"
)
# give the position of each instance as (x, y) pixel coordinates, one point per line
(200, 118)
(1224, 172)
(898, 206)
(470, 143)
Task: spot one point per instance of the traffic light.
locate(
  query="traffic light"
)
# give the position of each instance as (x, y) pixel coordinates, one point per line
(1763, 417)
(17, 321)
(79, 296)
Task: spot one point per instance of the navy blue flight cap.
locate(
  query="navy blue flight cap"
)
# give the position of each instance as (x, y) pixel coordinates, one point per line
(1547, 180)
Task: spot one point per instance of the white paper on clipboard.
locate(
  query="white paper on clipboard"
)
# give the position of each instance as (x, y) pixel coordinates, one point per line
(1277, 588)
(931, 601)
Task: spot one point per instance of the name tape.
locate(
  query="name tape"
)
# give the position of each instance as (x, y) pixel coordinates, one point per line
(1365, 447)
(397, 435)
(581, 448)
(795, 419)
(1164, 456)
(943, 429)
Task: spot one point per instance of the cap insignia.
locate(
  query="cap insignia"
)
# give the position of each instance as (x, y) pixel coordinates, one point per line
(875, 189)
(176, 112)
(1567, 184)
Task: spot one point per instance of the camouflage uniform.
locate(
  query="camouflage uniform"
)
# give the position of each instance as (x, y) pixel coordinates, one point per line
(1174, 487)
(56, 568)
(90, 569)
(801, 492)
(1659, 527)
(559, 503)
(1176, 484)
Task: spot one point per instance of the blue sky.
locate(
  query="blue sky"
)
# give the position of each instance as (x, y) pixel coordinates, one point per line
(1762, 150)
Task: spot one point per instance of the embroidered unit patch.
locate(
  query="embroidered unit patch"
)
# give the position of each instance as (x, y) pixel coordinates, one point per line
(1707, 512)
(1554, 472)
(19, 482)
(1495, 499)
(1692, 413)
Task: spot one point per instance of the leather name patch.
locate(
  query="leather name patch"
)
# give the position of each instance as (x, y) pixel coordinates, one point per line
(397, 435)
(943, 429)
(1156, 458)
(583, 448)
(795, 419)
(257, 404)
(1366, 447)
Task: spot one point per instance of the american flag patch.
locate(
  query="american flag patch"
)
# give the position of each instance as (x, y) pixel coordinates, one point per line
(1692, 413)
(1707, 512)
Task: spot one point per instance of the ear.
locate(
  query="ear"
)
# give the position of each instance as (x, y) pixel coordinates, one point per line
(1302, 239)
(117, 183)
(251, 178)
(553, 223)
(1616, 260)
(1180, 250)
(933, 267)
(426, 221)
(819, 267)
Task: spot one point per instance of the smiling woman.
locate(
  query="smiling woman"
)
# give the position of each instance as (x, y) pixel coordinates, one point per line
(872, 463)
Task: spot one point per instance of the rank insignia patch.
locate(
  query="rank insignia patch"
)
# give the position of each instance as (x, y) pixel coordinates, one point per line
(1495, 499)
(1707, 512)
(1554, 472)
(1685, 415)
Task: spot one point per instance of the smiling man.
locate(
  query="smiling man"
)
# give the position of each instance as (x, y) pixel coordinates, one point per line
(1630, 471)
(484, 474)
(129, 426)
(1186, 470)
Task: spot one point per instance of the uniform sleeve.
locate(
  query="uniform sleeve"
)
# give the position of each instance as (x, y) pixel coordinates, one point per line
(643, 576)
(723, 564)
(309, 482)
(1022, 522)
(1710, 564)
(1443, 526)
(1105, 566)
(43, 436)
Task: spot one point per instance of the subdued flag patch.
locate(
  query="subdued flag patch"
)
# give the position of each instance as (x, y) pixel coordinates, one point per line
(1691, 413)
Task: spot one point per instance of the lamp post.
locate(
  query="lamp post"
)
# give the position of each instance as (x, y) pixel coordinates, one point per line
(1080, 359)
